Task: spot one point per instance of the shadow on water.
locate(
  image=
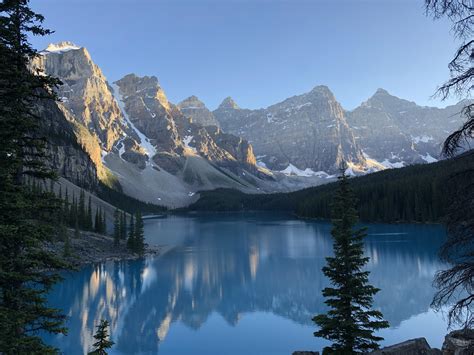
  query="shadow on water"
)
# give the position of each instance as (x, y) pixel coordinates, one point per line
(226, 268)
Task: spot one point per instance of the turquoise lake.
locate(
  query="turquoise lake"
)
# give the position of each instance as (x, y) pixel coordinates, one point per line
(244, 284)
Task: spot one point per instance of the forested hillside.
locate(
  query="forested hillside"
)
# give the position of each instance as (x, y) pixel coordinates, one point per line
(418, 193)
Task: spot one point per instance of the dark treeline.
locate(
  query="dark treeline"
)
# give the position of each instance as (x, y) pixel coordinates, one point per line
(132, 233)
(418, 193)
(81, 215)
(73, 211)
(125, 202)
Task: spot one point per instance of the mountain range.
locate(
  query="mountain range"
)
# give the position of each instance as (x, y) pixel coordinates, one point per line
(163, 153)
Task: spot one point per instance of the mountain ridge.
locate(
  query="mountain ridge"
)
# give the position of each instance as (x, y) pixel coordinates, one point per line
(151, 146)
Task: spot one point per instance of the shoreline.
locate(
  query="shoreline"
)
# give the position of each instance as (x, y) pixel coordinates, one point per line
(292, 214)
(92, 248)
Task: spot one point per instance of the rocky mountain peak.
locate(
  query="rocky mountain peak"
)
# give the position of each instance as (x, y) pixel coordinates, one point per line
(146, 86)
(382, 99)
(381, 91)
(228, 103)
(85, 94)
(196, 110)
(283, 134)
(63, 46)
(322, 90)
(192, 102)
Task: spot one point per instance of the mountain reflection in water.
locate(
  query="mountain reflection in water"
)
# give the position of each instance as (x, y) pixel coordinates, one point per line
(223, 269)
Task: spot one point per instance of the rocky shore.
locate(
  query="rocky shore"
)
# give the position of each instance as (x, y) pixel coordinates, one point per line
(458, 342)
(90, 248)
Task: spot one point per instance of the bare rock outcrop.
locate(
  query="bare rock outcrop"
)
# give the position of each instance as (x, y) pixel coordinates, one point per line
(197, 111)
(418, 346)
(398, 132)
(308, 131)
(459, 342)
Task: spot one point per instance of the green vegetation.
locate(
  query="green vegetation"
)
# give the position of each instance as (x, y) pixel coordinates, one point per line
(102, 336)
(417, 193)
(136, 236)
(78, 214)
(126, 203)
(350, 322)
(29, 214)
(117, 227)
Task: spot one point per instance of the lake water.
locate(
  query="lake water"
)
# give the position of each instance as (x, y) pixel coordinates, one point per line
(244, 284)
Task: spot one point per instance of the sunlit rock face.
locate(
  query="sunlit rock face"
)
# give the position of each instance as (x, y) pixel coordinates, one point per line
(150, 111)
(197, 111)
(312, 131)
(176, 135)
(308, 131)
(84, 92)
(129, 126)
(65, 155)
(399, 132)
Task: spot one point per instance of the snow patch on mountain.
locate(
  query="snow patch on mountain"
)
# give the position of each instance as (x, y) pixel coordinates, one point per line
(389, 165)
(186, 141)
(60, 47)
(428, 158)
(423, 139)
(292, 170)
(144, 141)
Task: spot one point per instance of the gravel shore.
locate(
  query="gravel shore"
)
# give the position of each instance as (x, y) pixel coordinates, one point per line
(92, 248)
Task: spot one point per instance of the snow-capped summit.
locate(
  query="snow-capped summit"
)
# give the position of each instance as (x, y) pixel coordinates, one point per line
(60, 47)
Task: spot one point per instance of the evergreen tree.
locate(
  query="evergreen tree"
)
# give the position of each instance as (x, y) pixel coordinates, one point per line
(27, 215)
(139, 237)
(77, 234)
(65, 213)
(89, 225)
(123, 226)
(73, 211)
(67, 241)
(102, 336)
(131, 234)
(117, 225)
(104, 223)
(82, 210)
(97, 221)
(351, 321)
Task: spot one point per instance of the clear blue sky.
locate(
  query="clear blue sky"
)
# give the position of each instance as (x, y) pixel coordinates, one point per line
(261, 51)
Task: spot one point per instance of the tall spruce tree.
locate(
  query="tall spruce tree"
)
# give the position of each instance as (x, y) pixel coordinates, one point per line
(123, 226)
(139, 236)
(73, 211)
(351, 321)
(102, 336)
(82, 213)
(89, 224)
(131, 234)
(27, 216)
(104, 223)
(117, 225)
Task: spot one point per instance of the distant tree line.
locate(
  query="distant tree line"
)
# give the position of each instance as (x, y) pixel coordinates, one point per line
(418, 193)
(76, 213)
(126, 203)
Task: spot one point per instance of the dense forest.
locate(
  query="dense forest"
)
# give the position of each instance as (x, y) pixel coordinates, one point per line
(125, 202)
(418, 193)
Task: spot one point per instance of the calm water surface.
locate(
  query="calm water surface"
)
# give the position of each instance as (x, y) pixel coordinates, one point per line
(243, 284)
